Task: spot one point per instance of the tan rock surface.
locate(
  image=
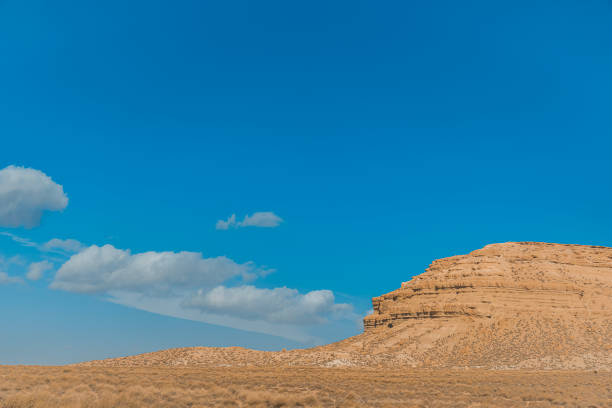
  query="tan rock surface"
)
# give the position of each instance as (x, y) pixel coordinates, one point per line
(511, 305)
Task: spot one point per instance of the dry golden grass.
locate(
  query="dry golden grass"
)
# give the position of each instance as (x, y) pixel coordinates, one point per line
(99, 387)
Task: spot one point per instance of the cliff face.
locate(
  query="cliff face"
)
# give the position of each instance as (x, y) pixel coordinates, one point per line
(502, 280)
(511, 305)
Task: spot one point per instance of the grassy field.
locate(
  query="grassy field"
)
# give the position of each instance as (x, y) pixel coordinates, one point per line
(71, 387)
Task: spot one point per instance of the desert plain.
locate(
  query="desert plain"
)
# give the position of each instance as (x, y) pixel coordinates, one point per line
(156, 387)
(509, 325)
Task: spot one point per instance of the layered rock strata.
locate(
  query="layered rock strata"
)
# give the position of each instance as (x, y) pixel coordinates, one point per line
(503, 280)
(510, 305)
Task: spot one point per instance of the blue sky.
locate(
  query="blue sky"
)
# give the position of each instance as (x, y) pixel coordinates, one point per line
(382, 136)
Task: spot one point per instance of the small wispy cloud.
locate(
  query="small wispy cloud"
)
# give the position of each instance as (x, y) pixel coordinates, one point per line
(56, 245)
(224, 225)
(66, 245)
(20, 240)
(36, 270)
(6, 279)
(264, 219)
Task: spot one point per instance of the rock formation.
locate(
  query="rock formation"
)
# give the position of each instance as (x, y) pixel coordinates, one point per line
(503, 280)
(512, 305)
(523, 304)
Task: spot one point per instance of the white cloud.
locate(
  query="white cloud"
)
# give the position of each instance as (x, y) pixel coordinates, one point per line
(223, 225)
(278, 305)
(104, 269)
(25, 193)
(6, 279)
(211, 290)
(264, 219)
(175, 307)
(340, 325)
(66, 245)
(36, 270)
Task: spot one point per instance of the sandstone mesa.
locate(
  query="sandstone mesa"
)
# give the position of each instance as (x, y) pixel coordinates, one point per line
(513, 305)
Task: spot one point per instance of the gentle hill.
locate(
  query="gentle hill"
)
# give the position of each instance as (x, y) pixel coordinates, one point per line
(511, 305)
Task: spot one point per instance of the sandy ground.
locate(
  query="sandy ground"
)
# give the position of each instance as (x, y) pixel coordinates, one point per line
(298, 387)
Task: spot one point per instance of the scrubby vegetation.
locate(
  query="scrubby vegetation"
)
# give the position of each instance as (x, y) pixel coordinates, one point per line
(88, 387)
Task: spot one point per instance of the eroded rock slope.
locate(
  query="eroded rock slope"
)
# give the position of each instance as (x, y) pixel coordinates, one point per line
(523, 304)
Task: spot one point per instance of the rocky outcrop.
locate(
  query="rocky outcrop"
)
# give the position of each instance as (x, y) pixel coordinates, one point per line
(501, 280)
(510, 305)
